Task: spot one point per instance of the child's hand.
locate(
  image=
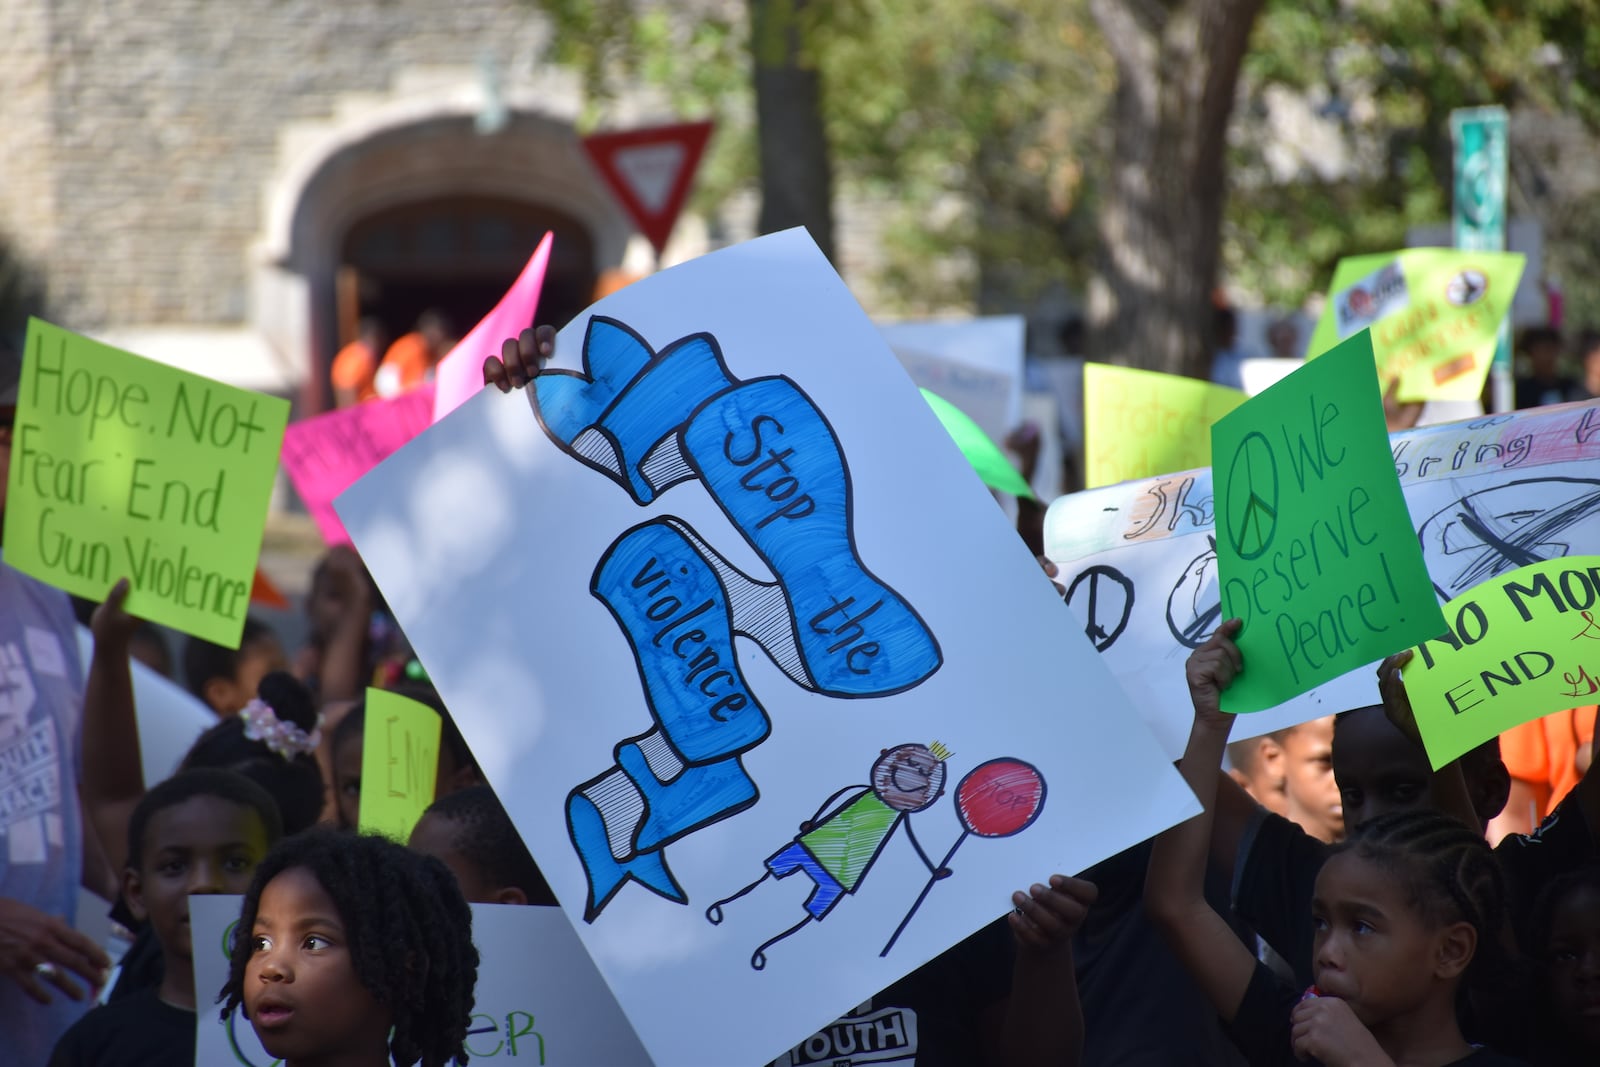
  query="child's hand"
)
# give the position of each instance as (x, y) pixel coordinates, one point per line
(1046, 918)
(1210, 670)
(1326, 1029)
(520, 360)
(1392, 690)
(113, 627)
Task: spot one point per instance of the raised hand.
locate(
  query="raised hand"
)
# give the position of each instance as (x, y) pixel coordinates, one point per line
(1047, 917)
(1211, 669)
(520, 360)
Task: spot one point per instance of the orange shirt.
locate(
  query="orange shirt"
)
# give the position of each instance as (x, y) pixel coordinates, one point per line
(1544, 753)
(355, 368)
(408, 363)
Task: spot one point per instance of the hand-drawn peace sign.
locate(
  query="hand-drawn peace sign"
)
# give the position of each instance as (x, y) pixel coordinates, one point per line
(1251, 510)
(1110, 595)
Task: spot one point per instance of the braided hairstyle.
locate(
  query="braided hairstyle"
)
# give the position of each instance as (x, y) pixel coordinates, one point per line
(409, 930)
(1448, 874)
(295, 782)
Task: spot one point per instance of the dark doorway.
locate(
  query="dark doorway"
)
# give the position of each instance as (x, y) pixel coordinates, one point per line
(458, 255)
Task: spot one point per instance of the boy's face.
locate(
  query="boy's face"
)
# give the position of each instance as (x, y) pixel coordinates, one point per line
(1309, 784)
(205, 844)
(301, 989)
(435, 836)
(1572, 964)
(1377, 768)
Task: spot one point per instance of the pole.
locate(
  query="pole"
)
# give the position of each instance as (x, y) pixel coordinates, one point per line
(924, 894)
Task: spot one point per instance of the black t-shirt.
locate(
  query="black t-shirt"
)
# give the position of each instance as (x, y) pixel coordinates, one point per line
(1141, 1008)
(140, 1030)
(1261, 1027)
(1279, 862)
(933, 1017)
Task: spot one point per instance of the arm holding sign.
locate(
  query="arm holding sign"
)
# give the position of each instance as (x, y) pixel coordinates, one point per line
(1174, 888)
(113, 776)
(520, 359)
(1044, 1019)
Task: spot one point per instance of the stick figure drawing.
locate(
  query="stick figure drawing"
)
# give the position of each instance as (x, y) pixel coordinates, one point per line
(839, 844)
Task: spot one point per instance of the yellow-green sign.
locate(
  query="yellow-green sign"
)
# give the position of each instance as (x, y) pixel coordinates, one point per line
(1315, 547)
(1434, 313)
(1138, 423)
(1519, 647)
(124, 467)
(399, 763)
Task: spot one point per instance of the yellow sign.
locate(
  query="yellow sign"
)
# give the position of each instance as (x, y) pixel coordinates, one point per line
(1519, 647)
(122, 467)
(1139, 423)
(399, 763)
(1434, 314)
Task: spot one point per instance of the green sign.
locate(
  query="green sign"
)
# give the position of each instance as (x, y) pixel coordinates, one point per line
(986, 457)
(1478, 215)
(123, 467)
(1479, 203)
(1315, 548)
(1519, 647)
(1435, 315)
(399, 764)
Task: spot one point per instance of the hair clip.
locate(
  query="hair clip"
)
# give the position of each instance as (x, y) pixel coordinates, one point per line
(286, 739)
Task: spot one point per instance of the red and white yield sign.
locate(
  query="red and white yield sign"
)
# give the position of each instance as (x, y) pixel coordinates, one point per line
(650, 171)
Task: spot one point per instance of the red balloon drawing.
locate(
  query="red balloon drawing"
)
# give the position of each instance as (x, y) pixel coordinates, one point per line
(1000, 798)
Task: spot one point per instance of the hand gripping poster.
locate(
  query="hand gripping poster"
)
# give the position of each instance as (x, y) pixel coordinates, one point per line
(1486, 496)
(757, 665)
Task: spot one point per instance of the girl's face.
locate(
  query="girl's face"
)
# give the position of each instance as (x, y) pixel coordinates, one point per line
(1371, 948)
(301, 991)
(1572, 964)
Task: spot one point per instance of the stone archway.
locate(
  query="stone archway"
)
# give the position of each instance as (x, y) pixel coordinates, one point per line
(422, 165)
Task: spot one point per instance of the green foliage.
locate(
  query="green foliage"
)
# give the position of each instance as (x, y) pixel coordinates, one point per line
(1384, 76)
(970, 120)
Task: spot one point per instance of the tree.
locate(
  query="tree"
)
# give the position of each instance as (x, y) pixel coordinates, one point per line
(1380, 78)
(1160, 217)
(796, 166)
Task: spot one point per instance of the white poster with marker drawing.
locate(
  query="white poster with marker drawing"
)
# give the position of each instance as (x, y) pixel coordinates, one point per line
(538, 999)
(755, 662)
(1486, 495)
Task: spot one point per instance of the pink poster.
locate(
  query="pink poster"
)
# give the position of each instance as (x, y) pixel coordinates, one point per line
(325, 454)
(460, 372)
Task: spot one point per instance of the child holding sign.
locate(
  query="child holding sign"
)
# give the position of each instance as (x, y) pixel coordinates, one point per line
(1401, 914)
(352, 948)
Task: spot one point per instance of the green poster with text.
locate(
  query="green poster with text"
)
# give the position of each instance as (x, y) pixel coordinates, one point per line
(124, 467)
(1315, 549)
(1520, 646)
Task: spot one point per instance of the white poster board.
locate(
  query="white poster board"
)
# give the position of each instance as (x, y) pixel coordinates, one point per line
(572, 563)
(976, 364)
(538, 1000)
(1486, 496)
(170, 718)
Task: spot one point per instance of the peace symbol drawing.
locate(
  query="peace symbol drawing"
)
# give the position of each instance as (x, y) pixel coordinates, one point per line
(1251, 509)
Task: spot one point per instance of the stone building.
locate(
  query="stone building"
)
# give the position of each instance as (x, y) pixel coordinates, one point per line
(228, 186)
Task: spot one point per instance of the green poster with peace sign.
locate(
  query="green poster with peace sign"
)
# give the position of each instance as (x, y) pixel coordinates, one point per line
(1434, 313)
(1315, 548)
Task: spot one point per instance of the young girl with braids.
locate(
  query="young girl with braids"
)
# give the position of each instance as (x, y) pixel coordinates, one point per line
(351, 949)
(1401, 913)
